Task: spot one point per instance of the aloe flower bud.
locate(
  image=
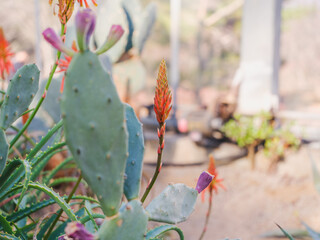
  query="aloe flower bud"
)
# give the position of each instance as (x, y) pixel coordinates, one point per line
(203, 181)
(77, 231)
(163, 96)
(115, 33)
(51, 37)
(85, 24)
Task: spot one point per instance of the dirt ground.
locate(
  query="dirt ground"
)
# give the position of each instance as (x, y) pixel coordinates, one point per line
(254, 200)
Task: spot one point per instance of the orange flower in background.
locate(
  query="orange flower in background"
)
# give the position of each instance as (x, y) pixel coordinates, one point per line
(216, 181)
(64, 64)
(5, 55)
(163, 96)
(25, 118)
(85, 2)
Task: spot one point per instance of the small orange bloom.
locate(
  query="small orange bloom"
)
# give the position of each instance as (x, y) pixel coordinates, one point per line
(64, 64)
(5, 55)
(25, 118)
(163, 96)
(216, 181)
(85, 2)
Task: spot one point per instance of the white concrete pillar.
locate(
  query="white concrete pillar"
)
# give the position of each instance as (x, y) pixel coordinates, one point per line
(259, 66)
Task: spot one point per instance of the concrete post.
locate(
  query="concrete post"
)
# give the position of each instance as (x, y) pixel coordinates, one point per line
(175, 8)
(259, 66)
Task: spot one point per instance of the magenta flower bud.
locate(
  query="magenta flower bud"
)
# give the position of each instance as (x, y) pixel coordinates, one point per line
(77, 231)
(85, 24)
(203, 182)
(115, 33)
(51, 37)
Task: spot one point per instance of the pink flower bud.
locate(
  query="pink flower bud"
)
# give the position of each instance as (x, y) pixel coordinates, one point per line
(77, 231)
(85, 24)
(203, 182)
(114, 35)
(51, 37)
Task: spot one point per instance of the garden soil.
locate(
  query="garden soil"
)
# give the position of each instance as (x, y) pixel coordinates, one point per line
(254, 200)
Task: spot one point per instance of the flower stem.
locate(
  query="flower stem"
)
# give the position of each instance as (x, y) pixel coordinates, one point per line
(207, 217)
(26, 125)
(61, 211)
(157, 171)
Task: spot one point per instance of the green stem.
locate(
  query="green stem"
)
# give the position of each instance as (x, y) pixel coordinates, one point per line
(2, 92)
(26, 125)
(61, 211)
(44, 140)
(157, 171)
(25, 135)
(56, 169)
(207, 217)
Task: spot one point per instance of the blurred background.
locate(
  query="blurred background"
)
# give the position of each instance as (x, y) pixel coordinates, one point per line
(224, 57)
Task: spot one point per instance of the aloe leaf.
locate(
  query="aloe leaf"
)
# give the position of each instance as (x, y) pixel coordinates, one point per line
(61, 180)
(315, 235)
(5, 225)
(88, 218)
(27, 176)
(158, 231)
(16, 216)
(285, 233)
(4, 236)
(59, 200)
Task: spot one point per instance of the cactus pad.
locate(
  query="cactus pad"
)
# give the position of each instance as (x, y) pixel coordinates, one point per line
(95, 128)
(4, 148)
(173, 205)
(21, 91)
(131, 223)
(136, 149)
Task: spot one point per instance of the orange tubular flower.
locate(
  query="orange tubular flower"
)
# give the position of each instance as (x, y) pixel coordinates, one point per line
(64, 64)
(65, 10)
(85, 2)
(216, 181)
(163, 96)
(5, 55)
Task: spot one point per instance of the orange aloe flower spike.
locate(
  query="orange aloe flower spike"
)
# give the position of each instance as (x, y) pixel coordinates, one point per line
(163, 96)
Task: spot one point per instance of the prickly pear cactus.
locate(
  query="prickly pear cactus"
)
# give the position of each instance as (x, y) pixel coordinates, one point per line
(131, 223)
(21, 91)
(95, 129)
(4, 148)
(136, 149)
(149, 16)
(173, 205)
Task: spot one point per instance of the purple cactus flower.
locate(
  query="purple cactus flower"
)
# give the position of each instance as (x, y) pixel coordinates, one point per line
(85, 24)
(76, 231)
(115, 33)
(51, 37)
(203, 182)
